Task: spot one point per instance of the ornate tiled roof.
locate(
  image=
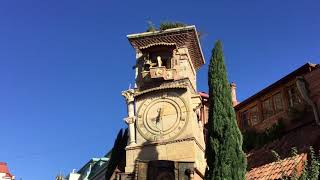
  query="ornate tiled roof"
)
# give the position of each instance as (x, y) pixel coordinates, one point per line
(181, 37)
(158, 44)
(203, 94)
(283, 168)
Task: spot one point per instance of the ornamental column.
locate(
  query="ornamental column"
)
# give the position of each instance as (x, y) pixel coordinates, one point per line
(129, 96)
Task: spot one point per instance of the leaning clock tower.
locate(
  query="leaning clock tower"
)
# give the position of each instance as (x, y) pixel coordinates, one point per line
(166, 138)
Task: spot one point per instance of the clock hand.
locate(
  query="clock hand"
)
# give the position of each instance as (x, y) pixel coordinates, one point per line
(156, 120)
(161, 115)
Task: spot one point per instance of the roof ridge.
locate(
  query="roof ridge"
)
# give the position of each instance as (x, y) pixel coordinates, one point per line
(142, 34)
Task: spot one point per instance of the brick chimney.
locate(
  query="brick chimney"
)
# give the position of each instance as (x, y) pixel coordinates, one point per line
(233, 87)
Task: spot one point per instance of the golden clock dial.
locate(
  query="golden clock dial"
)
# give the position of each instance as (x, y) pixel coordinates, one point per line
(162, 117)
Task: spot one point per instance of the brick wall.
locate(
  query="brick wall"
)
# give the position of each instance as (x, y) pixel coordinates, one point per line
(313, 80)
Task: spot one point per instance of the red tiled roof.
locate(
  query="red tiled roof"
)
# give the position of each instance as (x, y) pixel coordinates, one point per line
(203, 94)
(4, 169)
(279, 169)
(301, 137)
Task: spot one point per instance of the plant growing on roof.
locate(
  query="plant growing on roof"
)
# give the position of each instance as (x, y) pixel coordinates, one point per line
(312, 169)
(164, 26)
(225, 157)
(151, 27)
(169, 25)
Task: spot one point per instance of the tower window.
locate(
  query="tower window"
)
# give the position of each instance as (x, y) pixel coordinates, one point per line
(250, 117)
(158, 56)
(245, 119)
(254, 115)
(272, 105)
(161, 58)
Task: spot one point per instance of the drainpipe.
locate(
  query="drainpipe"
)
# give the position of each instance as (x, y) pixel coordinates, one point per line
(301, 85)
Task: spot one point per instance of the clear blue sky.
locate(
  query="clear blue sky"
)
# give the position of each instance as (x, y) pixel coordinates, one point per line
(63, 65)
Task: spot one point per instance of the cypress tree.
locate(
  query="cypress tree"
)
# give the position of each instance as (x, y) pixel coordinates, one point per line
(117, 155)
(225, 157)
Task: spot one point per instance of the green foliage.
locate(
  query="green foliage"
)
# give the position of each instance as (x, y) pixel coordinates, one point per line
(252, 139)
(171, 25)
(294, 151)
(225, 158)
(117, 153)
(275, 155)
(151, 27)
(311, 170)
(164, 26)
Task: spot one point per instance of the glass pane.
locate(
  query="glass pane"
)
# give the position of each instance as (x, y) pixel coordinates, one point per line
(267, 108)
(277, 100)
(245, 119)
(254, 116)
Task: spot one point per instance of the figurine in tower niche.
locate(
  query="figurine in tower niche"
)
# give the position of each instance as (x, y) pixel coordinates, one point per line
(159, 61)
(148, 63)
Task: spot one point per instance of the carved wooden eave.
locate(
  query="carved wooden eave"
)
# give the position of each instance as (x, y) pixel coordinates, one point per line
(155, 143)
(157, 44)
(139, 93)
(179, 84)
(181, 37)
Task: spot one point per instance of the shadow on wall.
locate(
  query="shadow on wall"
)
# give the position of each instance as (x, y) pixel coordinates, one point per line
(148, 167)
(148, 152)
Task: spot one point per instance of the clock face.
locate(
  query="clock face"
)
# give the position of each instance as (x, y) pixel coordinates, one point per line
(162, 117)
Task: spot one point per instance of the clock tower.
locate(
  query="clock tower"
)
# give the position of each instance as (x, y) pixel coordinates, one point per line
(166, 138)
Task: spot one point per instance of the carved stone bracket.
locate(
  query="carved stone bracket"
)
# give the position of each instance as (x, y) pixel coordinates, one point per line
(196, 102)
(129, 95)
(156, 143)
(130, 120)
